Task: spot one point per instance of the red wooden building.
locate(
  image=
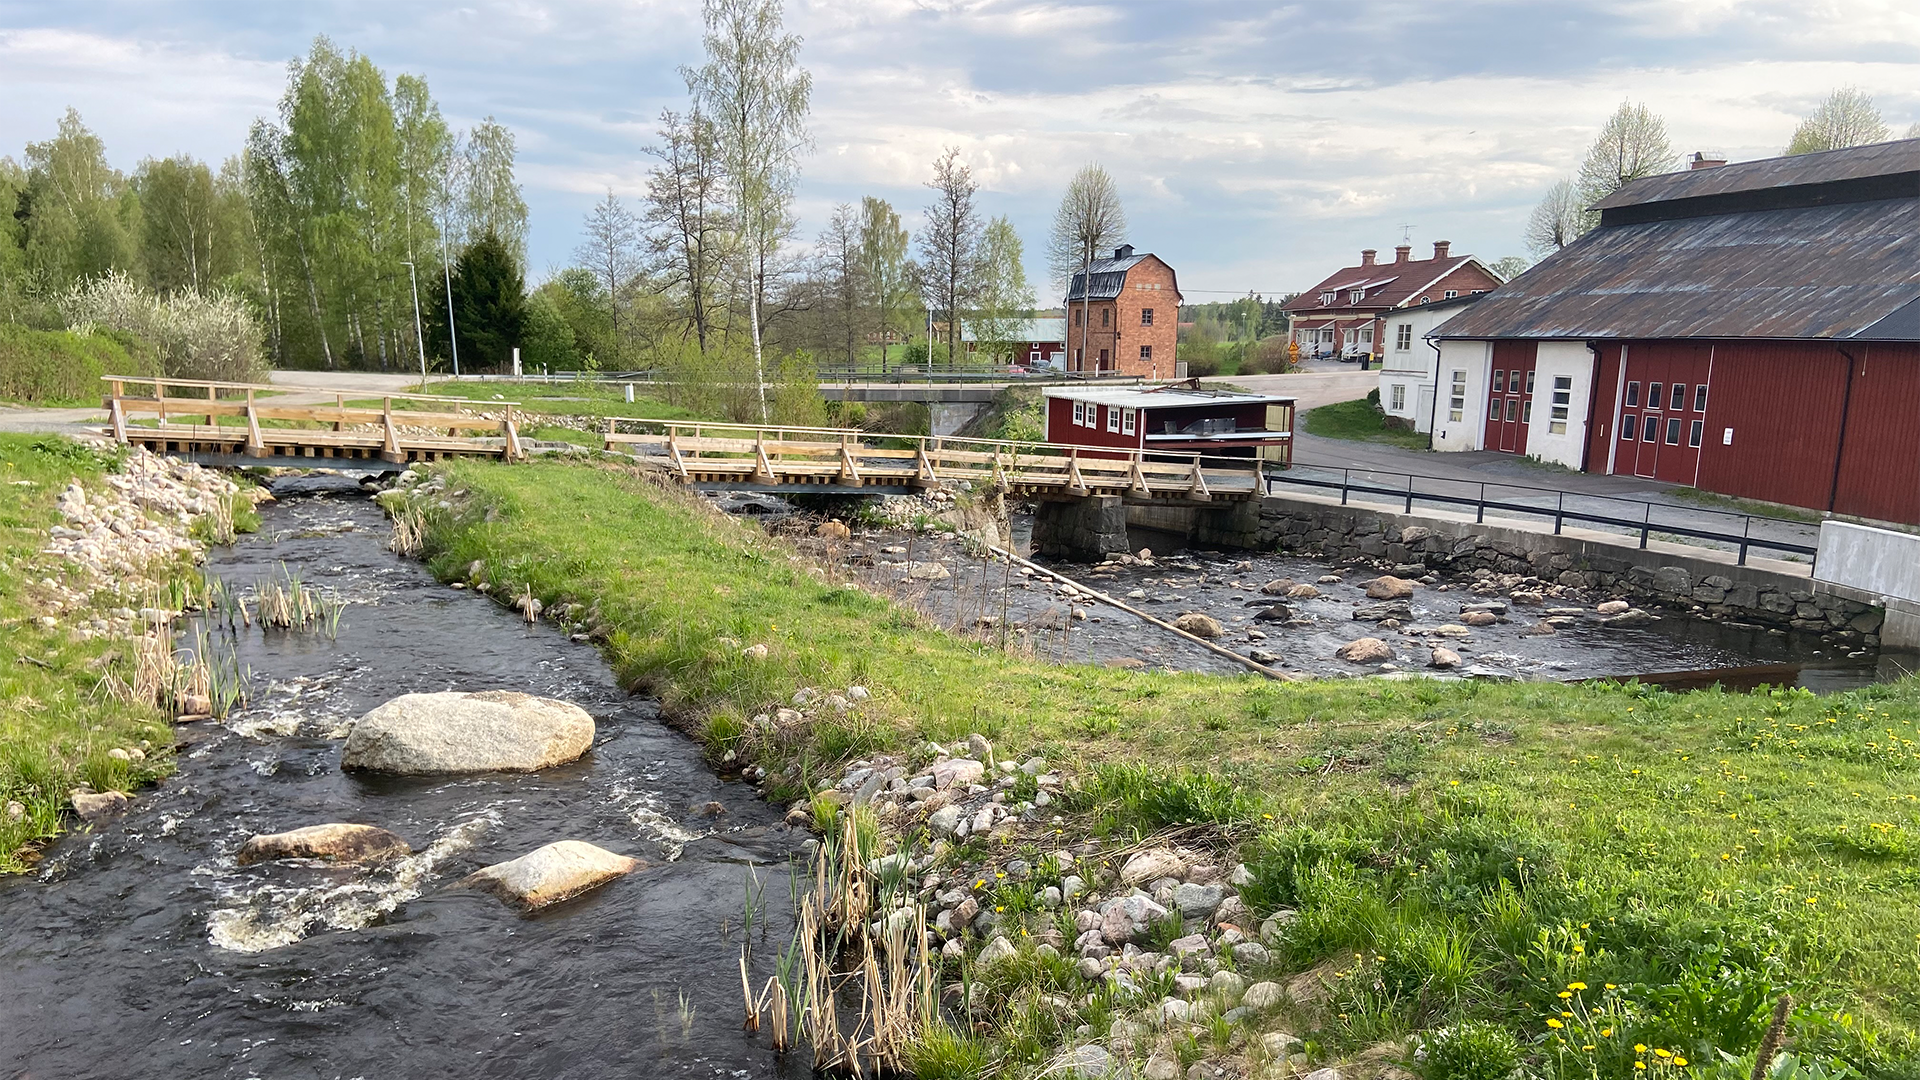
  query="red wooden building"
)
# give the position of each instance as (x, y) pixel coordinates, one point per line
(1182, 419)
(1751, 329)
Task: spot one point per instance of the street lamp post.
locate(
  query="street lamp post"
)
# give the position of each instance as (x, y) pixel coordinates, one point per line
(418, 337)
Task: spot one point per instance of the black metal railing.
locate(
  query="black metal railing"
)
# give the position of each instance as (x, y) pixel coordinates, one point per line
(1723, 530)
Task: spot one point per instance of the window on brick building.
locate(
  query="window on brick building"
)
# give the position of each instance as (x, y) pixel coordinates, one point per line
(1450, 294)
(1146, 353)
(1146, 316)
(1105, 313)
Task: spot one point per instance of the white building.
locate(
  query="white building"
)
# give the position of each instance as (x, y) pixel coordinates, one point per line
(1489, 395)
(1410, 363)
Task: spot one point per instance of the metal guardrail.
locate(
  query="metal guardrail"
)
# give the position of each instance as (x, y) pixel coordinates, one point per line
(996, 375)
(1633, 517)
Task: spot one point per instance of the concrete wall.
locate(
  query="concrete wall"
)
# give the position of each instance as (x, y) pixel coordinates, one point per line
(1464, 433)
(1081, 530)
(1869, 564)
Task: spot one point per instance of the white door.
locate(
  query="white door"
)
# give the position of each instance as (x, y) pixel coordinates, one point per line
(1423, 408)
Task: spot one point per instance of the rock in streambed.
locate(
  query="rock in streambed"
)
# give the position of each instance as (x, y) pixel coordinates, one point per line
(337, 841)
(551, 874)
(460, 732)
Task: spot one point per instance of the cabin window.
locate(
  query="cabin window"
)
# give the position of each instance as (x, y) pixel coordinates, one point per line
(1126, 422)
(1700, 399)
(1653, 395)
(1633, 395)
(1679, 396)
(1457, 398)
(1529, 382)
(1651, 432)
(1397, 397)
(1699, 429)
(1146, 354)
(1146, 316)
(1673, 431)
(1493, 408)
(1113, 418)
(1629, 425)
(1080, 413)
(1403, 336)
(1562, 400)
(1500, 381)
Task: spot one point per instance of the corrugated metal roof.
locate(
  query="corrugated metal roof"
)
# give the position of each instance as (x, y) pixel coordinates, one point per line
(1109, 276)
(1805, 272)
(1852, 163)
(1163, 398)
(1046, 330)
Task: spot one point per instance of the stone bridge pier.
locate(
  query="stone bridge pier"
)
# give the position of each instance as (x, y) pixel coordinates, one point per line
(1080, 530)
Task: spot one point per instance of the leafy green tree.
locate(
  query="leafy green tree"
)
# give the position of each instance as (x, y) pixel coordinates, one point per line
(489, 303)
(1846, 118)
(578, 297)
(891, 279)
(610, 247)
(1632, 144)
(1003, 300)
(491, 203)
(550, 340)
(77, 209)
(193, 228)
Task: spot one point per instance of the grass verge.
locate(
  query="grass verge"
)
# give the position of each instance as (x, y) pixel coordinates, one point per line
(1359, 421)
(1587, 867)
(58, 715)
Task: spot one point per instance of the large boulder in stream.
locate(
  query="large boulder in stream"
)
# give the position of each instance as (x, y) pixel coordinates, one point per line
(551, 874)
(337, 841)
(460, 732)
(1199, 625)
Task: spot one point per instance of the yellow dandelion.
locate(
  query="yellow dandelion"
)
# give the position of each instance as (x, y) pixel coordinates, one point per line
(1565, 994)
(1606, 1033)
(1639, 1048)
(1576, 986)
(1552, 1023)
(1639, 1064)
(1663, 1053)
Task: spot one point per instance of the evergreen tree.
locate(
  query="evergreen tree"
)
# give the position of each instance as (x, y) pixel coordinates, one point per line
(489, 304)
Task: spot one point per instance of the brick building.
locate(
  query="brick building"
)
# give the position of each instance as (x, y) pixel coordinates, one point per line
(1128, 321)
(1344, 314)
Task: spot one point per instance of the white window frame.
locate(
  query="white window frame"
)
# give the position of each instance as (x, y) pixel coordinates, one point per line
(1450, 294)
(1327, 299)
(1127, 421)
(1457, 397)
(1397, 397)
(1080, 413)
(1113, 418)
(1403, 337)
(1356, 295)
(1562, 400)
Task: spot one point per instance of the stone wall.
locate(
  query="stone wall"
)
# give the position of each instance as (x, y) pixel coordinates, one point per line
(1080, 530)
(1563, 565)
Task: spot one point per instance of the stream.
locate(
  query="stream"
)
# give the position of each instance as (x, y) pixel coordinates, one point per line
(140, 948)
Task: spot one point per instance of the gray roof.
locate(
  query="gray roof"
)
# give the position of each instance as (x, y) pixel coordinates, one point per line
(1029, 330)
(1109, 276)
(1822, 246)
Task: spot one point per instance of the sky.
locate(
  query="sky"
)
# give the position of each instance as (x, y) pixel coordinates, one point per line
(1257, 147)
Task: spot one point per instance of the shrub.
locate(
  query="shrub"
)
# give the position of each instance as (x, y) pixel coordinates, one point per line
(198, 335)
(1468, 1051)
(46, 367)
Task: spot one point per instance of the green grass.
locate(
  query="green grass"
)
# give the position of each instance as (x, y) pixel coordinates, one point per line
(551, 399)
(1744, 506)
(57, 718)
(1359, 421)
(1458, 849)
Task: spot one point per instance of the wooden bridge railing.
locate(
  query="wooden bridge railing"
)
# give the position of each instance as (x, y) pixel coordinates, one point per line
(775, 454)
(195, 419)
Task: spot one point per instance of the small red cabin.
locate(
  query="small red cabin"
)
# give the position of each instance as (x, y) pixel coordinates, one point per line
(1181, 419)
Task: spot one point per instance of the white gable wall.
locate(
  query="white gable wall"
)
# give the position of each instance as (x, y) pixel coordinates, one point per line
(1569, 360)
(1472, 358)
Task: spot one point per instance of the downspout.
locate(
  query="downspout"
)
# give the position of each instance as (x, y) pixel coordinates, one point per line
(1840, 450)
(1593, 403)
(1433, 405)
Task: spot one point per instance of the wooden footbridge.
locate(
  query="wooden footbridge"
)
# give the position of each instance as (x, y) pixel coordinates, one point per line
(241, 423)
(211, 421)
(802, 459)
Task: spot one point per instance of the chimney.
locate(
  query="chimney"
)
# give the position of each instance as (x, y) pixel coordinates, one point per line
(1441, 247)
(1366, 256)
(1403, 253)
(1124, 251)
(1704, 160)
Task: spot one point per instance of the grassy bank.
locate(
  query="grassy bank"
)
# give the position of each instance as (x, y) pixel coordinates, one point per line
(1359, 421)
(1587, 868)
(60, 714)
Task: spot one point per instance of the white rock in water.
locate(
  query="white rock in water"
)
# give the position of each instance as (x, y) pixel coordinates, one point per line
(338, 841)
(95, 807)
(551, 874)
(458, 732)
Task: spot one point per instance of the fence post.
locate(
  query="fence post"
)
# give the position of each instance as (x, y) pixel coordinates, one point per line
(1409, 493)
(1559, 511)
(1480, 506)
(1646, 523)
(1746, 529)
(1345, 479)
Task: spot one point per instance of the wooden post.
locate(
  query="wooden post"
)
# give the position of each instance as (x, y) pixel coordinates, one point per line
(763, 468)
(119, 417)
(211, 419)
(1139, 475)
(339, 420)
(514, 452)
(1076, 485)
(390, 448)
(256, 445)
(1197, 489)
(849, 472)
(609, 444)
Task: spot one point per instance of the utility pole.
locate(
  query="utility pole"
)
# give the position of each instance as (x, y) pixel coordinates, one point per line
(418, 338)
(453, 338)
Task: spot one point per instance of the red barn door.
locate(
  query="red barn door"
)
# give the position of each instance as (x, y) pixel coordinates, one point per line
(1510, 396)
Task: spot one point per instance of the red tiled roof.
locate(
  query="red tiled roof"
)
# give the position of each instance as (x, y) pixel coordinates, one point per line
(1388, 285)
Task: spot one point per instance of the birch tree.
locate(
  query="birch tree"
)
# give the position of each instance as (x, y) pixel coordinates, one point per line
(1846, 118)
(755, 93)
(1003, 299)
(1090, 220)
(949, 241)
(840, 271)
(1632, 144)
(689, 235)
(610, 249)
(1557, 221)
(491, 203)
(890, 277)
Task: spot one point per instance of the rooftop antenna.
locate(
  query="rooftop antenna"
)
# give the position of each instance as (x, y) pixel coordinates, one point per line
(1406, 234)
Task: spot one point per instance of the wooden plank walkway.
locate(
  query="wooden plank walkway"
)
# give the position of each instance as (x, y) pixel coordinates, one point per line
(189, 411)
(743, 455)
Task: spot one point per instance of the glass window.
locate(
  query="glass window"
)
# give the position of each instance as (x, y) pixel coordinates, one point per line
(1403, 337)
(1629, 424)
(1673, 431)
(1080, 413)
(1651, 432)
(1653, 395)
(1699, 428)
(1451, 293)
(1526, 411)
(1500, 381)
(1562, 399)
(1397, 396)
(1700, 399)
(1105, 314)
(1633, 395)
(1457, 398)
(1679, 396)
(1529, 382)
(1356, 296)
(1126, 422)
(1493, 408)
(1076, 315)
(1146, 316)
(1146, 353)
(1113, 418)
(1513, 409)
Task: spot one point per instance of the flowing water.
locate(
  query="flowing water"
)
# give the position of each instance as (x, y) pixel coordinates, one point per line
(141, 949)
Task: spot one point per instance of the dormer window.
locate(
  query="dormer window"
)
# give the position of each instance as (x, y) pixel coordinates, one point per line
(1451, 293)
(1327, 299)
(1356, 296)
